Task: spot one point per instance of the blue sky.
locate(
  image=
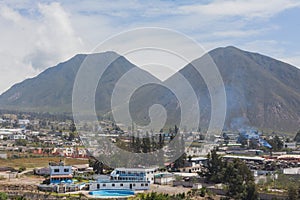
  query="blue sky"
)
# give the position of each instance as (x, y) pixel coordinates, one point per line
(37, 35)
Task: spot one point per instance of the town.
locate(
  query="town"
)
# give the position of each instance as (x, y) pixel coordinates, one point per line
(42, 156)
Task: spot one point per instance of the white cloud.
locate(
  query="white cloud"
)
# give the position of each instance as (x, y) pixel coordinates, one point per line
(243, 32)
(249, 8)
(55, 38)
(31, 43)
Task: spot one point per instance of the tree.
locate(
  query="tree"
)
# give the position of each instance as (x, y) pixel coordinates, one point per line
(21, 142)
(3, 196)
(137, 147)
(71, 136)
(161, 140)
(72, 127)
(292, 193)
(146, 143)
(276, 143)
(240, 181)
(214, 167)
(97, 165)
(21, 169)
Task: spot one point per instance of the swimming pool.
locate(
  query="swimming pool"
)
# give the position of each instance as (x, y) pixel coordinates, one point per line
(112, 193)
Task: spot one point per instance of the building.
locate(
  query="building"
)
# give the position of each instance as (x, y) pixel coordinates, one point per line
(118, 172)
(290, 145)
(119, 185)
(126, 178)
(17, 137)
(191, 168)
(247, 158)
(289, 157)
(163, 178)
(291, 171)
(23, 121)
(42, 171)
(60, 173)
(3, 155)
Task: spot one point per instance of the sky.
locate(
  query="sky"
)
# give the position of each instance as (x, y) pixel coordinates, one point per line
(36, 35)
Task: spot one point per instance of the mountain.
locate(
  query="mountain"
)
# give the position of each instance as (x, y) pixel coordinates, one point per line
(261, 92)
(51, 91)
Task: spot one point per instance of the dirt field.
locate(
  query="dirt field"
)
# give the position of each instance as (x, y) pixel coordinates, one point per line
(38, 162)
(168, 189)
(23, 180)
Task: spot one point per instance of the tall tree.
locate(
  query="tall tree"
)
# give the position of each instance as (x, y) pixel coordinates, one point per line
(240, 181)
(214, 167)
(97, 165)
(146, 143)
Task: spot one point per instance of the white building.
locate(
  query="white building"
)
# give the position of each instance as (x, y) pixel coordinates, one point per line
(23, 121)
(126, 178)
(290, 145)
(149, 173)
(291, 171)
(17, 137)
(164, 178)
(60, 173)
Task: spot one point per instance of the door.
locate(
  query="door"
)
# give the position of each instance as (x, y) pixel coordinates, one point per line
(130, 186)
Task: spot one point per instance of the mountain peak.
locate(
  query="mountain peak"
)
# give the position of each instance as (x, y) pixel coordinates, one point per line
(227, 49)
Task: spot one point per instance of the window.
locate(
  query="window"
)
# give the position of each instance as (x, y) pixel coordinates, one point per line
(113, 185)
(66, 170)
(146, 184)
(133, 185)
(142, 184)
(121, 184)
(56, 170)
(98, 186)
(104, 185)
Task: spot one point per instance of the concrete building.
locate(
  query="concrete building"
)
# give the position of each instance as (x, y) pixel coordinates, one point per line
(291, 171)
(126, 178)
(123, 173)
(119, 185)
(60, 172)
(42, 171)
(17, 137)
(290, 145)
(163, 178)
(23, 121)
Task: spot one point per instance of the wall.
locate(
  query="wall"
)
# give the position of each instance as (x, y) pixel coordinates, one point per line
(126, 185)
